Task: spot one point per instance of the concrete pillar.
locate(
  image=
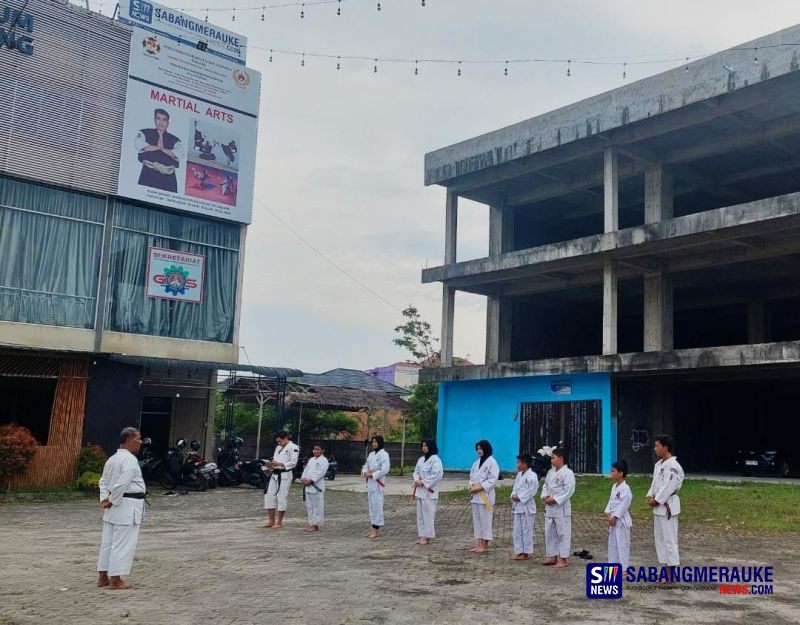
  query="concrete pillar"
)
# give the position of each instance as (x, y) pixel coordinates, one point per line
(498, 329)
(756, 322)
(610, 190)
(448, 317)
(501, 230)
(658, 194)
(451, 228)
(609, 307)
(658, 313)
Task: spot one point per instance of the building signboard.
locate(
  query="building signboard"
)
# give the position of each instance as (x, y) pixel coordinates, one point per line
(175, 275)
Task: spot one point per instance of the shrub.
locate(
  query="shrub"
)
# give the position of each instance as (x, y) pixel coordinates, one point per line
(91, 458)
(89, 480)
(17, 447)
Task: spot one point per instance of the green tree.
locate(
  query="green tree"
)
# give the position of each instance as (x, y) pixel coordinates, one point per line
(415, 336)
(324, 424)
(245, 418)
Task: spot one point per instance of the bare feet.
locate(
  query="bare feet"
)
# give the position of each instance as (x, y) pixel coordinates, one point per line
(373, 534)
(562, 562)
(424, 541)
(267, 525)
(117, 583)
(474, 549)
(520, 556)
(102, 579)
(549, 561)
(277, 526)
(480, 551)
(311, 528)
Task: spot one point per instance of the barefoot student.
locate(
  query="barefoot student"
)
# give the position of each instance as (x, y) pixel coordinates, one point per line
(122, 495)
(482, 479)
(523, 507)
(663, 499)
(375, 470)
(618, 517)
(427, 475)
(313, 480)
(559, 486)
(277, 496)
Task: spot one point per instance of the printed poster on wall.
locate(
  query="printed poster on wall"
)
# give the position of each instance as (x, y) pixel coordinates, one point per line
(175, 275)
(191, 123)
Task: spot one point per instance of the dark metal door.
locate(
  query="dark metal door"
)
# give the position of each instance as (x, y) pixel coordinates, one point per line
(576, 423)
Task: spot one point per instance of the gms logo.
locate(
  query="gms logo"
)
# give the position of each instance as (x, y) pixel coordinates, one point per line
(141, 11)
(604, 580)
(175, 280)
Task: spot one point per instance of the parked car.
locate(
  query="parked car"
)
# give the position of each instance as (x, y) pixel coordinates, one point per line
(768, 461)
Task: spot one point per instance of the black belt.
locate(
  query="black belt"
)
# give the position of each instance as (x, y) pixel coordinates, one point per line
(135, 495)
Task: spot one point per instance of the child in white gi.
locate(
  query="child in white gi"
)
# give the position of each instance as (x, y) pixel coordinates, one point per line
(482, 479)
(523, 507)
(427, 475)
(618, 518)
(663, 499)
(559, 486)
(375, 470)
(313, 480)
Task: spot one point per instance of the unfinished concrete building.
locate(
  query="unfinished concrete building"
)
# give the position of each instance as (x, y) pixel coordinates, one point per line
(642, 273)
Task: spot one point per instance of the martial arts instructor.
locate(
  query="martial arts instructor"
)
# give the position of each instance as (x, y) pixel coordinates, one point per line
(122, 494)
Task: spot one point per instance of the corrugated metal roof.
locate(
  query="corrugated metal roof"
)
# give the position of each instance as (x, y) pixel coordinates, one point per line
(350, 378)
(269, 372)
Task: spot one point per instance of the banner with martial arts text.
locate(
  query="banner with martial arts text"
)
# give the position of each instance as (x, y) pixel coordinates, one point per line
(191, 123)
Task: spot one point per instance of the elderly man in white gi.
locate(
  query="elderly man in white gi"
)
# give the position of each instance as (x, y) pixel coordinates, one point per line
(313, 480)
(375, 470)
(122, 495)
(277, 496)
(559, 486)
(664, 500)
(427, 475)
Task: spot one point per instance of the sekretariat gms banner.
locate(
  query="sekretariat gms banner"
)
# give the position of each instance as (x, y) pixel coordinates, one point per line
(175, 275)
(191, 125)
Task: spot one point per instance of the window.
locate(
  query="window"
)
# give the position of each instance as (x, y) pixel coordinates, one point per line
(50, 244)
(136, 229)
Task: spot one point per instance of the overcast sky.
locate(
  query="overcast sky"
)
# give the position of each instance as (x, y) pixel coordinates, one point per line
(340, 155)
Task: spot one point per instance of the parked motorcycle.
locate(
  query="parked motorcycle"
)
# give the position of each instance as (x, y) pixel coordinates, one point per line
(203, 466)
(149, 462)
(229, 463)
(541, 461)
(180, 471)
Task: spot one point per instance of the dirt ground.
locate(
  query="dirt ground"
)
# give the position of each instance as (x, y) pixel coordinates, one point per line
(202, 559)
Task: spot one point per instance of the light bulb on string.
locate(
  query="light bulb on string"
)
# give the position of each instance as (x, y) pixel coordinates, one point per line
(338, 64)
(459, 68)
(375, 67)
(379, 5)
(270, 56)
(505, 71)
(262, 13)
(569, 68)
(206, 14)
(339, 8)
(755, 57)
(423, 2)
(233, 16)
(303, 60)
(624, 71)
(303, 10)
(416, 68)
(687, 64)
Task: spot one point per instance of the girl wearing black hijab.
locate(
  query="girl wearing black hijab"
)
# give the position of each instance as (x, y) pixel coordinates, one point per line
(427, 475)
(482, 479)
(375, 471)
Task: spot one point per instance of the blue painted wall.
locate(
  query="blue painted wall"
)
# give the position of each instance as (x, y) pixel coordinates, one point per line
(470, 411)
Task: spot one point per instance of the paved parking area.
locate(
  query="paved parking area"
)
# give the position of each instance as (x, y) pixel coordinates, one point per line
(202, 559)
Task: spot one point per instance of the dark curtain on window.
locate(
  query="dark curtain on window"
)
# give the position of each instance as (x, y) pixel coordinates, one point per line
(135, 229)
(50, 243)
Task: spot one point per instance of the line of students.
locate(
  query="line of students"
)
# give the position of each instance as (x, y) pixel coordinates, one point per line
(557, 491)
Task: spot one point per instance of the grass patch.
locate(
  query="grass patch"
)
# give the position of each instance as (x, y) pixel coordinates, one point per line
(750, 506)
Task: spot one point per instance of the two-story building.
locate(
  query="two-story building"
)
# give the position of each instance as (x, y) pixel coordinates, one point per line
(642, 274)
(85, 348)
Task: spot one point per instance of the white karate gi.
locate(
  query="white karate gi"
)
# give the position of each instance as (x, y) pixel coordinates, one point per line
(667, 480)
(378, 463)
(483, 515)
(619, 535)
(524, 511)
(277, 495)
(315, 470)
(121, 522)
(431, 472)
(560, 485)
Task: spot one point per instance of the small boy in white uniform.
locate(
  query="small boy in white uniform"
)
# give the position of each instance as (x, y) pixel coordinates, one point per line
(618, 517)
(523, 507)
